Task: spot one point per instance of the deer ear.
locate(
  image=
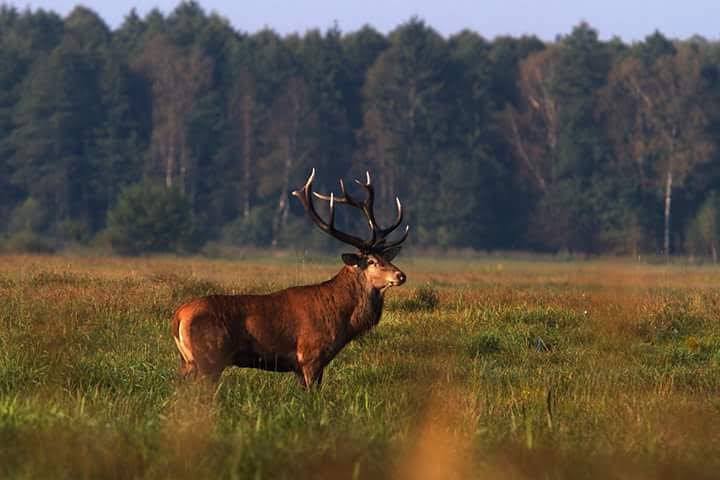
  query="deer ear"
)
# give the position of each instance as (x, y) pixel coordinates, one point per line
(351, 259)
(389, 254)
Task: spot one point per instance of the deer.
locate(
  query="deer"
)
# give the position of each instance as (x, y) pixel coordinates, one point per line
(300, 329)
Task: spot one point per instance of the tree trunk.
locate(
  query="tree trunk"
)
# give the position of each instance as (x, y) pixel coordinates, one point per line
(668, 202)
(281, 213)
(169, 165)
(522, 152)
(247, 106)
(295, 112)
(184, 174)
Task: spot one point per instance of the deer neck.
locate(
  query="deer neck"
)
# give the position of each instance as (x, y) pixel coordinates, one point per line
(365, 302)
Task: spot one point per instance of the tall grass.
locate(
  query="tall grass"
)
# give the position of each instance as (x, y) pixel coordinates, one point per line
(483, 369)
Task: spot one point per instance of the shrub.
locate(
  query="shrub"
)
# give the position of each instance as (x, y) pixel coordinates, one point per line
(29, 216)
(255, 229)
(704, 230)
(485, 343)
(425, 298)
(150, 218)
(28, 242)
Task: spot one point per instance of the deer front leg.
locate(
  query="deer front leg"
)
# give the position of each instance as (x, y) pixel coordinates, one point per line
(306, 379)
(310, 373)
(310, 365)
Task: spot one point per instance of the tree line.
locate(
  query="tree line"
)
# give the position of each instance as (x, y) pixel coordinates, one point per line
(172, 131)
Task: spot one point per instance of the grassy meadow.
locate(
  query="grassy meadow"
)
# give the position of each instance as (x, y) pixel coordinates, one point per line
(487, 368)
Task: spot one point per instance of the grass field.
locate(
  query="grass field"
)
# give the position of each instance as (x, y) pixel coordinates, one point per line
(482, 369)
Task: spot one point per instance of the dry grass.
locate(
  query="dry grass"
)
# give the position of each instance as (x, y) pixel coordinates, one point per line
(487, 369)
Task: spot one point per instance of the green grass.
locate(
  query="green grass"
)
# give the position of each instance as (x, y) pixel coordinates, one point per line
(478, 369)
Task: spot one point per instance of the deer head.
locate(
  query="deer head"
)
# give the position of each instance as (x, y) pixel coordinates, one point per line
(374, 256)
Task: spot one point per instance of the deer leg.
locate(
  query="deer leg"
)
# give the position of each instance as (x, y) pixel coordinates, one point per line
(312, 374)
(187, 369)
(300, 378)
(209, 371)
(213, 377)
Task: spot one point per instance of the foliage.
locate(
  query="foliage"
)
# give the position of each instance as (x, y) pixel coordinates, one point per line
(704, 230)
(578, 144)
(254, 229)
(425, 297)
(150, 218)
(28, 216)
(27, 241)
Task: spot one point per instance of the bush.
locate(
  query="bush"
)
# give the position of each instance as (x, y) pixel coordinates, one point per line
(29, 216)
(255, 229)
(485, 343)
(703, 231)
(424, 298)
(28, 242)
(150, 218)
(73, 231)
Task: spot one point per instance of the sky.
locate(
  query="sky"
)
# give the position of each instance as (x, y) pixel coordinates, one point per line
(629, 19)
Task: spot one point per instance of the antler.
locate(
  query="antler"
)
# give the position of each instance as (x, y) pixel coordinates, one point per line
(378, 241)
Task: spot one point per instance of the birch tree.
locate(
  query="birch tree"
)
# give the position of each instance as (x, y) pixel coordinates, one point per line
(658, 123)
(291, 115)
(534, 128)
(176, 77)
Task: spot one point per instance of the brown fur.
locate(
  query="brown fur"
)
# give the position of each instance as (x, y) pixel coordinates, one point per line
(299, 329)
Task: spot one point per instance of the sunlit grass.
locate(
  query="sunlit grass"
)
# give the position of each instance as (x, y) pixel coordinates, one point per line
(489, 368)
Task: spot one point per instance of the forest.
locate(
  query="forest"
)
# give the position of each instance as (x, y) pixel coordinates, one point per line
(177, 131)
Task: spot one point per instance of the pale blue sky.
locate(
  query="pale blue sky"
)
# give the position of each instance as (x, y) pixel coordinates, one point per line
(630, 19)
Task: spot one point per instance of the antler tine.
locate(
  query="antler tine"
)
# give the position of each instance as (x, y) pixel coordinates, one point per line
(345, 198)
(367, 180)
(403, 237)
(366, 206)
(387, 231)
(331, 222)
(384, 232)
(379, 235)
(305, 197)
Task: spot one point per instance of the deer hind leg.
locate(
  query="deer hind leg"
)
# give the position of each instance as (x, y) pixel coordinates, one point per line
(210, 369)
(187, 369)
(193, 368)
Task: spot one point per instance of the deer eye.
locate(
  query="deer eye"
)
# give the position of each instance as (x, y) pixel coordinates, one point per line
(371, 262)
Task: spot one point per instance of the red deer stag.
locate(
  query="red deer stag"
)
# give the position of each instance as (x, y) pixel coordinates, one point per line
(299, 329)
